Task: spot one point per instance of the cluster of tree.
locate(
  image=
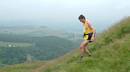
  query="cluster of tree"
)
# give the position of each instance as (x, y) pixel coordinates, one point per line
(43, 48)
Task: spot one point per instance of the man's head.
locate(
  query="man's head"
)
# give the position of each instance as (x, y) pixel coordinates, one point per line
(82, 18)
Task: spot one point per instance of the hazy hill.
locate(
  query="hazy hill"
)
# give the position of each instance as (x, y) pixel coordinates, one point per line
(37, 31)
(18, 43)
(16, 48)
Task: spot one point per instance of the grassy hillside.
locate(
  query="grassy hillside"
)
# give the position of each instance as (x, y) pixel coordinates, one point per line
(110, 58)
(25, 67)
(110, 53)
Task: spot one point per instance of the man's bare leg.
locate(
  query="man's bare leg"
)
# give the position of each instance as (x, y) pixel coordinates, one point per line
(87, 50)
(83, 48)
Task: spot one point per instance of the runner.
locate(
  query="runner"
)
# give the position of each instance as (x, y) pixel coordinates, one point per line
(88, 36)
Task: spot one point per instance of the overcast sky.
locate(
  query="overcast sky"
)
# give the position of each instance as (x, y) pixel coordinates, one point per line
(63, 13)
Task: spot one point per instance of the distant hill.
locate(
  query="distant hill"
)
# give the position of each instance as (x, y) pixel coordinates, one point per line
(38, 31)
(110, 53)
(37, 42)
(15, 49)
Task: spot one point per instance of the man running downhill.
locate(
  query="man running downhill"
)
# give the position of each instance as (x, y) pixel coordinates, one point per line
(88, 36)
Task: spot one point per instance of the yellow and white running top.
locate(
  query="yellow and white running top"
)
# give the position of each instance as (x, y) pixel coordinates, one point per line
(87, 28)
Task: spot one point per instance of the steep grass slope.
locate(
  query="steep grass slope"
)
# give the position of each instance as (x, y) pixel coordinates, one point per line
(115, 57)
(25, 67)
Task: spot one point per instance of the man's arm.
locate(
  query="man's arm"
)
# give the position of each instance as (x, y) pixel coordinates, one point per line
(89, 25)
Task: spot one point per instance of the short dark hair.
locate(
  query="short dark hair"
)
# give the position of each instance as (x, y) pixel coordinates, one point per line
(82, 17)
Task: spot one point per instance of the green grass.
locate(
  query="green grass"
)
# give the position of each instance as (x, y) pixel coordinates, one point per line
(25, 67)
(110, 53)
(115, 57)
